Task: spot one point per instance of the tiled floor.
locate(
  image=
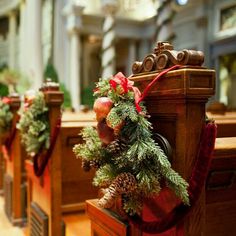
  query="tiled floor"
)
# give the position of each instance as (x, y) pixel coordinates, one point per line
(6, 228)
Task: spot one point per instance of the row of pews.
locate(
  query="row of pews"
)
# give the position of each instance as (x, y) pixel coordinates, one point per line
(177, 112)
(41, 202)
(221, 181)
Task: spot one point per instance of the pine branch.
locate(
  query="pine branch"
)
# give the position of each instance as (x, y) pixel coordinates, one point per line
(177, 184)
(34, 125)
(104, 175)
(140, 156)
(5, 117)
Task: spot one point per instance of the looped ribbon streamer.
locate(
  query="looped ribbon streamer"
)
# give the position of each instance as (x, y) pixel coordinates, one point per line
(7, 145)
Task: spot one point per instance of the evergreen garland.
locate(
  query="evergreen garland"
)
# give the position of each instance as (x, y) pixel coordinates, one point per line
(34, 125)
(5, 116)
(132, 152)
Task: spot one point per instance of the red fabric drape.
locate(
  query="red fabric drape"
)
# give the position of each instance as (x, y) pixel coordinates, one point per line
(39, 168)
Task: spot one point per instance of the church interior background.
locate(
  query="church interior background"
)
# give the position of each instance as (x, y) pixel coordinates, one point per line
(76, 42)
(69, 36)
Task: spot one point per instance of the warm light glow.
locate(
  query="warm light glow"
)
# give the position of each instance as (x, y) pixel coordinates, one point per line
(182, 2)
(138, 9)
(94, 38)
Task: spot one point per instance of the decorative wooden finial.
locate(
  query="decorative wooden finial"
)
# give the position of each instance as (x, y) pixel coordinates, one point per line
(48, 85)
(15, 100)
(164, 56)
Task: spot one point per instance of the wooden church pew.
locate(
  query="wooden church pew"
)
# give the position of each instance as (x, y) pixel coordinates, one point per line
(64, 186)
(226, 123)
(15, 175)
(2, 169)
(220, 199)
(221, 184)
(221, 189)
(173, 114)
(2, 162)
(3, 137)
(176, 104)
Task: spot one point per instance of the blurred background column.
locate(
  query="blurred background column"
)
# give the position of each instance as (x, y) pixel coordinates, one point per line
(33, 45)
(22, 32)
(109, 8)
(131, 56)
(12, 39)
(164, 21)
(74, 11)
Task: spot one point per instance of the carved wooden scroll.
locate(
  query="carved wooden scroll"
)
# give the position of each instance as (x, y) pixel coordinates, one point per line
(164, 56)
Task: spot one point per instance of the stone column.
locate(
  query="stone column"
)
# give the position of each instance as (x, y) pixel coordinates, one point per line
(131, 56)
(109, 8)
(144, 48)
(164, 27)
(73, 11)
(12, 39)
(33, 44)
(22, 43)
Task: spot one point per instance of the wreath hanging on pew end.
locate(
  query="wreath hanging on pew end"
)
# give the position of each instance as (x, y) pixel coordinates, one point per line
(34, 124)
(5, 115)
(128, 162)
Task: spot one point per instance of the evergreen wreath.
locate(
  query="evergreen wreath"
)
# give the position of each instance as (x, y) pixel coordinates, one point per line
(5, 115)
(129, 163)
(34, 125)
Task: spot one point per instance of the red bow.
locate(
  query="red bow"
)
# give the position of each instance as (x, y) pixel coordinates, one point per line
(126, 85)
(120, 79)
(6, 100)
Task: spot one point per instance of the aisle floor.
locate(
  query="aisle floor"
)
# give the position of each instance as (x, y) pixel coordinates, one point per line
(76, 224)
(6, 228)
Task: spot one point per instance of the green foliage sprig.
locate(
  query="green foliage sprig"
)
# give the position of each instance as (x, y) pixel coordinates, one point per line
(135, 152)
(13, 81)
(5, 117)
(34, 125)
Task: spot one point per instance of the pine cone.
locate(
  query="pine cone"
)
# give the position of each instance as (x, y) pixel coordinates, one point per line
(123, 183)
(117, 146)
(95, 163)
(86, 165)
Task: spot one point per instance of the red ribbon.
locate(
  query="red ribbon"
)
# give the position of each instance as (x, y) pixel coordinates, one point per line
(158, 77)
(196, 183)
(39, 169)
(126, 85)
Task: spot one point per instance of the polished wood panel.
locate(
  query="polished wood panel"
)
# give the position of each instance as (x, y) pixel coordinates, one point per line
(107, 223)
(2, 166)
(226, 123)
(14, 169)
(77, 224)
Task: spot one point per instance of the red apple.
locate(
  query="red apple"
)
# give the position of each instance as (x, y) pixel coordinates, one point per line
(102, 107)
(105, 133)
(117, 128)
